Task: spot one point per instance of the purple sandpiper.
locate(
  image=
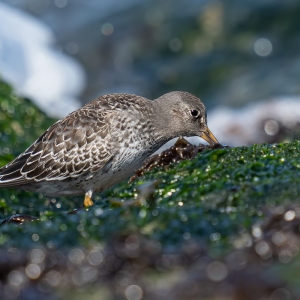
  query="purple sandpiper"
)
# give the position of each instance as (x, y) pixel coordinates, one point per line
(103, 143)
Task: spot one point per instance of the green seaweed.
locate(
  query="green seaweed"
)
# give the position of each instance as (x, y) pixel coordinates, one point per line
(220, 191)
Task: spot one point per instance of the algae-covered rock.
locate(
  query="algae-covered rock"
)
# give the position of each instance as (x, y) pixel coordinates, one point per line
(204, 212)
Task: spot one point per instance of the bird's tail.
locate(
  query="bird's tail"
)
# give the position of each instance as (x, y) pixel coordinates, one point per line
(10, 174)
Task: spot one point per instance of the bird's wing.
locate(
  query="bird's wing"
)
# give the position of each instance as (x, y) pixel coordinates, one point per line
(77, 144)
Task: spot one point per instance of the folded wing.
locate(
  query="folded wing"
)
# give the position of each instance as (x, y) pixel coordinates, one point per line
(77, 144)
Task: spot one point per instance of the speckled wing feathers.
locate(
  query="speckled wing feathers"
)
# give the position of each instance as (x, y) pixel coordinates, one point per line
(77, 144)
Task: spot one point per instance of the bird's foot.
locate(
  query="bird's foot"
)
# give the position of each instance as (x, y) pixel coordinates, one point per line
(19, 219)
(87, 200)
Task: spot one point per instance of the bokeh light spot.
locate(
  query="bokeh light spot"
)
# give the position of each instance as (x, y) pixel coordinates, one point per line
(15, 278)
(216, 271)
(263, 47)
(175, 44)
(11, 291)
(37, 256)
(132, 242)
(271, 127)
(98, 212)
(33, 271)
(215, 236)
(263, 249)
(134, 292)
(53, 277)
(76, 256)
(281, 294)
(285, 256)
(290, 215)
(35, 237)
(107, 29)
(95, 258)
(256, 231)
(186, 235)
(278, 238)
(61, 3)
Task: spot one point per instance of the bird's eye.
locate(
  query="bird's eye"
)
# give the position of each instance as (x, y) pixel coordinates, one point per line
(195, 113)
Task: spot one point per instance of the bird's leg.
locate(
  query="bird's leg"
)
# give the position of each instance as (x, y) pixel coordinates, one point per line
(88, 199)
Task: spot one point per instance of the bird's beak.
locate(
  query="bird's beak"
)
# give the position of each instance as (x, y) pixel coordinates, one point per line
(208, 136)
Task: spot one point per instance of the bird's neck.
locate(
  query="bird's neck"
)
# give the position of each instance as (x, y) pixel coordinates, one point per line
(162, 123)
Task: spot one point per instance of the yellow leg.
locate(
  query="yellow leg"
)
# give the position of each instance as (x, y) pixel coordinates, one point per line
(87, 200)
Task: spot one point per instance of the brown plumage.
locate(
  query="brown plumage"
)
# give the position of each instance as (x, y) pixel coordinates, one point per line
(103, 143)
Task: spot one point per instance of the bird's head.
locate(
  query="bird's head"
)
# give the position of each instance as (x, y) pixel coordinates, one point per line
(187, 116)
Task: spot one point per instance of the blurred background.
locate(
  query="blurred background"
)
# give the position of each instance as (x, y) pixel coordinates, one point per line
(203, 239)
(240, 57)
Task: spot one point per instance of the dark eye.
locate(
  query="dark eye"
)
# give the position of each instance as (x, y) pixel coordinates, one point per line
(194, 113)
